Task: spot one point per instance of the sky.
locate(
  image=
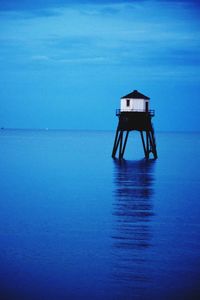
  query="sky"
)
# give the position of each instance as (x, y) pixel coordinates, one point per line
(65, 64)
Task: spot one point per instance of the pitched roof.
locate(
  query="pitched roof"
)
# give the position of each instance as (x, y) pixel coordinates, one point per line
(135, 95)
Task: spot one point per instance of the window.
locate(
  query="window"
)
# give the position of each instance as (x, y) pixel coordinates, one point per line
(128, 102)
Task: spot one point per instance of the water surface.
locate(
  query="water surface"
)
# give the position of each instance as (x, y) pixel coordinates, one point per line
(76, 224)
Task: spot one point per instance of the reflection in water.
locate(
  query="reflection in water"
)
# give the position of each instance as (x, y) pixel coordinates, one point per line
(131, 237)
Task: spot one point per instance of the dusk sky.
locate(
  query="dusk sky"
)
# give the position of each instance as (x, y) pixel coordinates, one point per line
(65, 64)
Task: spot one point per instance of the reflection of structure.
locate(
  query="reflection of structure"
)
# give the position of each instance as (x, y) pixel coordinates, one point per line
(132, 234)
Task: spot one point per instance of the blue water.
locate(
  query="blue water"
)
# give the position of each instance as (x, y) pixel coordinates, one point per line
(76, 224)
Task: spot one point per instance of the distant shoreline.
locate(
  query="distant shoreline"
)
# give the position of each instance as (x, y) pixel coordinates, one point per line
(95, 130)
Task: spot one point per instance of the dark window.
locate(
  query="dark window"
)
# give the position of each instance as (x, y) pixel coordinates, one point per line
(127, 102)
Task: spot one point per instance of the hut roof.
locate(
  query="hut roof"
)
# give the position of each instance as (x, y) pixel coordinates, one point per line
(136, 95)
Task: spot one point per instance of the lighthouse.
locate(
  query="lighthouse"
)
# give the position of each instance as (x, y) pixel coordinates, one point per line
(135, 114)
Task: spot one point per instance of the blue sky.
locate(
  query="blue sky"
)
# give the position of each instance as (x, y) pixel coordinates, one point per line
(65, 64)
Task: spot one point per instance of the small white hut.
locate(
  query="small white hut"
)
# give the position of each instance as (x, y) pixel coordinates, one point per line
(134, 102)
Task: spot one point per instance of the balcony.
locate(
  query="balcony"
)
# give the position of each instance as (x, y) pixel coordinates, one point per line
(150, 112)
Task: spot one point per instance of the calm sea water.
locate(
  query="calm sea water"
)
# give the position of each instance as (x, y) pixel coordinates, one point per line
(76, 224)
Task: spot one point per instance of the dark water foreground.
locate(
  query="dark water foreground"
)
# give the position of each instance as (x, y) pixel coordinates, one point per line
(76, 224)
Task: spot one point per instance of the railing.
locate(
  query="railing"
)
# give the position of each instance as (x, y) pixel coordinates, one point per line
(151, 112)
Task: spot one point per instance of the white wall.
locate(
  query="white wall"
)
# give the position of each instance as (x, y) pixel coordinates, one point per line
(135, 105)
(124, 107)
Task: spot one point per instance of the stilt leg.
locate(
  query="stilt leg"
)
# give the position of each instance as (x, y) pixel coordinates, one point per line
(153, 144)
(125, 142)
(116, 143)
(147, 144)
(143, 143)
(121, 145)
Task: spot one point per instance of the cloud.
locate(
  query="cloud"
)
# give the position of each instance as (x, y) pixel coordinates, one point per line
(85, 60)
(75, 60)
(138, 34)
(24, 5)
(39, 58)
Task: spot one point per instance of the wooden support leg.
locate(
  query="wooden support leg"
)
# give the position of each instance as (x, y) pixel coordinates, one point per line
(147, 144)
(116, 143)
(153, 144)
(143, 143)
(153, 141)
(121, 145)
(125, 142)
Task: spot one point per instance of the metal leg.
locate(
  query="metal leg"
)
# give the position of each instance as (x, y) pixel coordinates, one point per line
(121, 145)
(143, 143)
(125, 142)
(116, 143)
(147, 144)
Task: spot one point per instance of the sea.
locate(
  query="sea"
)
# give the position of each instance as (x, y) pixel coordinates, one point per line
(77, 224)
